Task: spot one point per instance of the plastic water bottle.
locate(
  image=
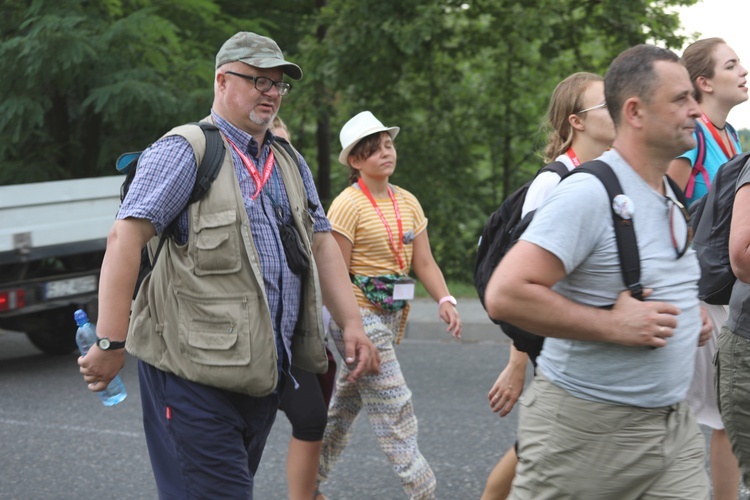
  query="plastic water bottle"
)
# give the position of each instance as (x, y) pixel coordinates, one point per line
(85, 338)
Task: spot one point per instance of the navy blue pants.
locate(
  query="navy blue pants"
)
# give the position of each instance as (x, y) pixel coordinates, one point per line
(204, 443)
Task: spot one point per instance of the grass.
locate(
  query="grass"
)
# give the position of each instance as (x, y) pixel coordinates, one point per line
(457, 289)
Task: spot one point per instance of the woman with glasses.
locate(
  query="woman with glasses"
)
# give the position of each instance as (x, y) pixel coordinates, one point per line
(579, 130)
(382, 232)
(719, 82)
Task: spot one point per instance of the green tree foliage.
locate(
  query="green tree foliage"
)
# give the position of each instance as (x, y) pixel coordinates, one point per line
(467, 82)
(85, 80)
(744, 135)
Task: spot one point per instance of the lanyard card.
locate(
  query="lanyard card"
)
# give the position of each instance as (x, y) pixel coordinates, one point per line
(403, 289)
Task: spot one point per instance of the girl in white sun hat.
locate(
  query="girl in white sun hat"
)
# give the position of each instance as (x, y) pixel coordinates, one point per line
(382, 232)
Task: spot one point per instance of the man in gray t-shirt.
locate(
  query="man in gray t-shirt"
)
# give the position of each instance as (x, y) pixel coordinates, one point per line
(732, 360)
(605, 417)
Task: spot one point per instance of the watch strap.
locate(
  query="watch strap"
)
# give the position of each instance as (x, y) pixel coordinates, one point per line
(107, 345)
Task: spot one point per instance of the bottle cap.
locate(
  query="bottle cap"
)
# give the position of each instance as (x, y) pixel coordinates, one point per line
(81, 317)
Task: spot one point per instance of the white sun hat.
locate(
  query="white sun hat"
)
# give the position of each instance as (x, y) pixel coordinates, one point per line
(359, 127)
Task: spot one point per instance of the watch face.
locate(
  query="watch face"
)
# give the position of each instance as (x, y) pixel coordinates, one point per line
(104, 344)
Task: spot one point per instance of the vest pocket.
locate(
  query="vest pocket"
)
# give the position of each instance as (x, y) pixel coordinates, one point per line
(216, 331)
(217, 244)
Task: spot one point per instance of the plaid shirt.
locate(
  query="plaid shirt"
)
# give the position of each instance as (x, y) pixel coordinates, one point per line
(160, 192)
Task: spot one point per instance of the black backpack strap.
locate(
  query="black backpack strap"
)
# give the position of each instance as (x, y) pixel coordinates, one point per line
(213, 158)
(677, 190)
(518, 224)
(556, 166)
(627, 246)
(291, 152)
(288, 148)
(162, 240)
(208, 170)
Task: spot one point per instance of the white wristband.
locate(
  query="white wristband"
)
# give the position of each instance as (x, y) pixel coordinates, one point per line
(447, 298)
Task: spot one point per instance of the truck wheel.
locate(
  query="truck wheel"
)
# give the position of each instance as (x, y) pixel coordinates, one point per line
(53, 332)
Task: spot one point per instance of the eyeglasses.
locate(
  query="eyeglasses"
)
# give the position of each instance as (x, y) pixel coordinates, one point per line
(592, 108)
(263, 84)
(679, 226)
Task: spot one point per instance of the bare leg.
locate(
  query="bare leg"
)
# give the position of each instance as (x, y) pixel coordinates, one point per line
(302, 462)
(725, 471)
(501, 477)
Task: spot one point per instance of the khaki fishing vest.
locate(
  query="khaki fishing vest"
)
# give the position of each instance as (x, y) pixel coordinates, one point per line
(202, 313)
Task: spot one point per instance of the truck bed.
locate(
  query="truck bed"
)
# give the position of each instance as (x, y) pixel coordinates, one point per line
(52, 241)
(52, 218)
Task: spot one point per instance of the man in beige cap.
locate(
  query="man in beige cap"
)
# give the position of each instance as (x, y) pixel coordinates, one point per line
(236, 296)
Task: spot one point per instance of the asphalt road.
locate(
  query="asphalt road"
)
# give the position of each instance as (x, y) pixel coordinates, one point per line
(58, 442)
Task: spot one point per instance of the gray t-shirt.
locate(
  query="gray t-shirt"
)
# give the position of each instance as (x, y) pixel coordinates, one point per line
(575, 224)
(739, 303)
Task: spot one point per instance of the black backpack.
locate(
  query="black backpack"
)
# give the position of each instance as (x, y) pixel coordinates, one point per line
(711, 217)
(502, 230)
(207, 172)
(630, 263)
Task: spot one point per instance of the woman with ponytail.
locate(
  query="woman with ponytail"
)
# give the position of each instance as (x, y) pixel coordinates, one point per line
(579, 130)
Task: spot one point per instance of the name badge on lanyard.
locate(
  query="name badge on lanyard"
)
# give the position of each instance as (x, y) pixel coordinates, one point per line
(404, 289)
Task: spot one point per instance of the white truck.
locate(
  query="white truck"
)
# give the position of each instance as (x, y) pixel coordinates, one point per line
(52, 241)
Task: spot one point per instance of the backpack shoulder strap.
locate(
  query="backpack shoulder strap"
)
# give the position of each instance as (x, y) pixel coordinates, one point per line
(556, 166)
(211, 158)
(293, 153)
(627, 246)
(209, 150)
(677, 190)
(288, 148)
(698, 167)
(732, 131)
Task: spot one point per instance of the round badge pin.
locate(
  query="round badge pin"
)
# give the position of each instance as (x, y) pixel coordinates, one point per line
(623, 206)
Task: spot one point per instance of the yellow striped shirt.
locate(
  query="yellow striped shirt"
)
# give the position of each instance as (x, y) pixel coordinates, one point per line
(353, 216)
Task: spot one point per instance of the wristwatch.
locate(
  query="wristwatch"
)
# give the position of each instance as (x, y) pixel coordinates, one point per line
(105, 344)
(447, 298)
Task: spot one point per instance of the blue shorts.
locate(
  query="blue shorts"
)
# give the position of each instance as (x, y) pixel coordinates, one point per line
(203, 442)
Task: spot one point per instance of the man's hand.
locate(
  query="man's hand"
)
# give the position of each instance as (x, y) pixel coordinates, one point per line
(643, 323)
(707, 327)
(119, 273)
(100, 367)
(361, 355)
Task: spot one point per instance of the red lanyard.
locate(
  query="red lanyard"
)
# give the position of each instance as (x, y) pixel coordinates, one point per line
(571, 154)
(711, 128)
(396, 251)
(250, 166)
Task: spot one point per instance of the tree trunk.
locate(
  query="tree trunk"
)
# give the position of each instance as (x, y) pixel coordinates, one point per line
(323, 136)
(323, 133)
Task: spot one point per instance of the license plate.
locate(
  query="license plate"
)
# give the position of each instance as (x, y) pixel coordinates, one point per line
(72, 286)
